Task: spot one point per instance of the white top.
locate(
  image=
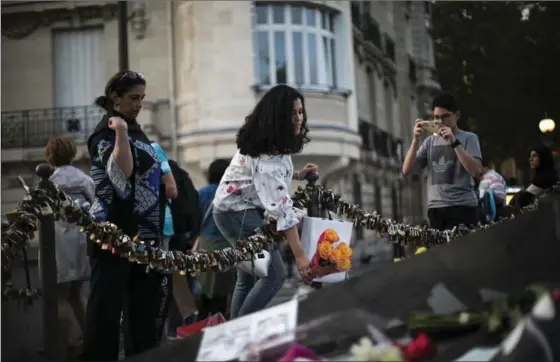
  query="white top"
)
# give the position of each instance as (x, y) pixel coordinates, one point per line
(493, 181)
(262, 182)
(534, 190)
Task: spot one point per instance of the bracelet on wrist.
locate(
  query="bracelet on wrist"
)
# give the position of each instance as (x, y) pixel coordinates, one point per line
(456, 143)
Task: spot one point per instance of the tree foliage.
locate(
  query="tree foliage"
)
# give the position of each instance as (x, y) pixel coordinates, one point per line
(504, 66)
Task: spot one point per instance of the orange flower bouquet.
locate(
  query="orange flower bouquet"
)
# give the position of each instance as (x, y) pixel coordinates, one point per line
(332, 255)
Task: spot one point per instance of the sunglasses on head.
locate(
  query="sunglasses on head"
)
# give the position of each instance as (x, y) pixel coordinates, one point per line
(131, 75)
(128, 74)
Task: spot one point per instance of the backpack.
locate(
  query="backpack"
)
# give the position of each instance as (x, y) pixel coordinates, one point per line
(185, 209)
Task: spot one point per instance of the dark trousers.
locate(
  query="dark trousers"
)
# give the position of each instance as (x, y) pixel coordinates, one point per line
(164, 296)
(211, 306)
(115, 285)
(444, 218)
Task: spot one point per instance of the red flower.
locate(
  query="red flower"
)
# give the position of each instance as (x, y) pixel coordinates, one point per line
(421, 348)
(556, 295)
(234, 189)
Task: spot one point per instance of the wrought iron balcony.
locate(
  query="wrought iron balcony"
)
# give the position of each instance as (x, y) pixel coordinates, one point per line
(381, 142)
(34, 128)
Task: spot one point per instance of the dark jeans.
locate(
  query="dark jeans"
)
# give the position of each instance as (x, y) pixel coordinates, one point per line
(115, 285)
(250, 296)
(445, 218)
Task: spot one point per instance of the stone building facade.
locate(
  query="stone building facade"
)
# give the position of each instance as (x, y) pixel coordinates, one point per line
(366, 69)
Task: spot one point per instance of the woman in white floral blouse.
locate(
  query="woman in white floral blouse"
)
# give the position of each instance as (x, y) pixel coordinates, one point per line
(258, 181)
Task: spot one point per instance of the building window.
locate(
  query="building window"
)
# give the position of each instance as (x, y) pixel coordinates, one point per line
(77, 75)
(395, 203)
(377, 198)
(294, 44)
(428, 7)
(371, 31)
(372, 96)
(389, 48)
(357, 191)
(366, 133)
(356, 14)
(389, 98)
(397, 151)
(411, 69)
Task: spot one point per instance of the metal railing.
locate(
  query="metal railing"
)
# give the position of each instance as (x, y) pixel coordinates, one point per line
(34, 128)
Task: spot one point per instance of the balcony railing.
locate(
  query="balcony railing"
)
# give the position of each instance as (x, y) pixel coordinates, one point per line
(34, 128)
(380, 141)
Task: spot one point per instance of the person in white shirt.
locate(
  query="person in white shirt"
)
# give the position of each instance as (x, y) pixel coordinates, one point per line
(492, 182)
(258, 181)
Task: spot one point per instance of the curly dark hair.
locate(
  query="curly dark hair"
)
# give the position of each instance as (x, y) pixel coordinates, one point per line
(60, 151)
(269, 128)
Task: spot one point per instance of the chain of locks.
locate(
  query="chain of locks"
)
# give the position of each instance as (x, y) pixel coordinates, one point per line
(398, 233)
(46, 199)
(21, 224)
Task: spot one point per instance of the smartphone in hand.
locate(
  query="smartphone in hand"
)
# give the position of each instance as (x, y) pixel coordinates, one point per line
(431, 126)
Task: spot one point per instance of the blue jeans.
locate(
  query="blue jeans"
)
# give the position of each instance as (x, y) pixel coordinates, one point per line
(250, 296)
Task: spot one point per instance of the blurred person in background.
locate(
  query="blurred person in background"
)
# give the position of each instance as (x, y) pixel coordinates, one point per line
(72, 263)
(544, 176)
(491, 193)
(541, 162)
(216, 288)
(165, 293)
(556, 158)
(170, 193)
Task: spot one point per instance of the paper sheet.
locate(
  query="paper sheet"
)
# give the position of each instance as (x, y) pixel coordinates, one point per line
(226, 341)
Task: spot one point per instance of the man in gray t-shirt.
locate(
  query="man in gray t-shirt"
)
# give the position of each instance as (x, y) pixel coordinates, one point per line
(452, 158)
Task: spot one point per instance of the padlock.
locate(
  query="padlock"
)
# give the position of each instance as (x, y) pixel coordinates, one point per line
(45, 209)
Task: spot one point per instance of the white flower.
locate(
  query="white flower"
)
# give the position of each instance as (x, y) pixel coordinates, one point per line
(464, 318)
(364, 350)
